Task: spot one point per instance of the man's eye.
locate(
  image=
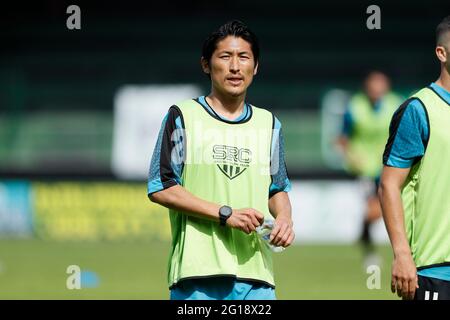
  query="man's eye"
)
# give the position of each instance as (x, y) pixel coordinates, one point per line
(224, 57)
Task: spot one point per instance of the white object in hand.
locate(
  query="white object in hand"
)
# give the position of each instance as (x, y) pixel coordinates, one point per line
(264, 231)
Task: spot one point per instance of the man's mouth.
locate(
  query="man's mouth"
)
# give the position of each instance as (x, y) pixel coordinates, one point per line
(235, 80)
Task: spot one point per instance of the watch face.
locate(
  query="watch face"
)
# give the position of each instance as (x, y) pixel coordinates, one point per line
(225, 211)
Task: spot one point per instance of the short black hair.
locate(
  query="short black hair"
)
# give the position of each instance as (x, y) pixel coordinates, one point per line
(442, 29)
(234, 28)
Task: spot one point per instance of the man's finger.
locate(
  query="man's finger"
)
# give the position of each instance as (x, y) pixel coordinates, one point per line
(399, 287)
(259, 216)
(286, 240)
(393, 284)
(248, 224)
(285, 237)
(274, 233)
(290, 239)
(255, 222)
(412, 288)
(245, 229)
(405, 291)
(277, 239)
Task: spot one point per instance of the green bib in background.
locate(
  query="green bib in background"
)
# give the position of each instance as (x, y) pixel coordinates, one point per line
(228, 164)
(370, 133)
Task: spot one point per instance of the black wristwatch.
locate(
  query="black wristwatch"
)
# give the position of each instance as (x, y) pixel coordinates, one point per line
(224, 213)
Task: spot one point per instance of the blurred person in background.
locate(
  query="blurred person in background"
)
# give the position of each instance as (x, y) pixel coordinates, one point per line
(212, 167)
(415, 186)
(364, 134)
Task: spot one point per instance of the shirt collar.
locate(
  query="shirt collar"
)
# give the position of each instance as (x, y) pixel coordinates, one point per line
(243, 116)
(444, 94)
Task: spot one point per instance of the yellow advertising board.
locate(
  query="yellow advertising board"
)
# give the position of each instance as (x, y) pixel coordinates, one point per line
(97, 211)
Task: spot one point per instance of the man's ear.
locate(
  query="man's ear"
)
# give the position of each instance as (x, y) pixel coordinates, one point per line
(441, 54)
(255, 71)
(205, 65)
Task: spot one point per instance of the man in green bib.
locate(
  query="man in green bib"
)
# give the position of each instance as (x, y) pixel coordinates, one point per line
(219, 167)
(364, 134)
(415, 186)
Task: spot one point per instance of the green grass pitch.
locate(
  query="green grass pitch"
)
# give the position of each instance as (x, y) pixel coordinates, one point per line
(35, 269)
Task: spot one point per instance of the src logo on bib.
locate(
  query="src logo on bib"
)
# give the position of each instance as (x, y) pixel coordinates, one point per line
(232, 161)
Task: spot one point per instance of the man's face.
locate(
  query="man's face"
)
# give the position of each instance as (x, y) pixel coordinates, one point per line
(377, 85)
(232, 66)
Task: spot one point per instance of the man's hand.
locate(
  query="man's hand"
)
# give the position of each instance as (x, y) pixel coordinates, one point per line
(355, 162)
(404, 273)
(247, 219)
(404, 276)
(282, 233)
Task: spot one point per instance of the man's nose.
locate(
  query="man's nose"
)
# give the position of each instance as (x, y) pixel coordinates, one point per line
(234, 64)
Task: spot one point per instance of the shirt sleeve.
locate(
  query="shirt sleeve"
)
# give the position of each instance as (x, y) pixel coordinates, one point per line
(408, 135)
(347, 126)
(167, 161)
(280, 178)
